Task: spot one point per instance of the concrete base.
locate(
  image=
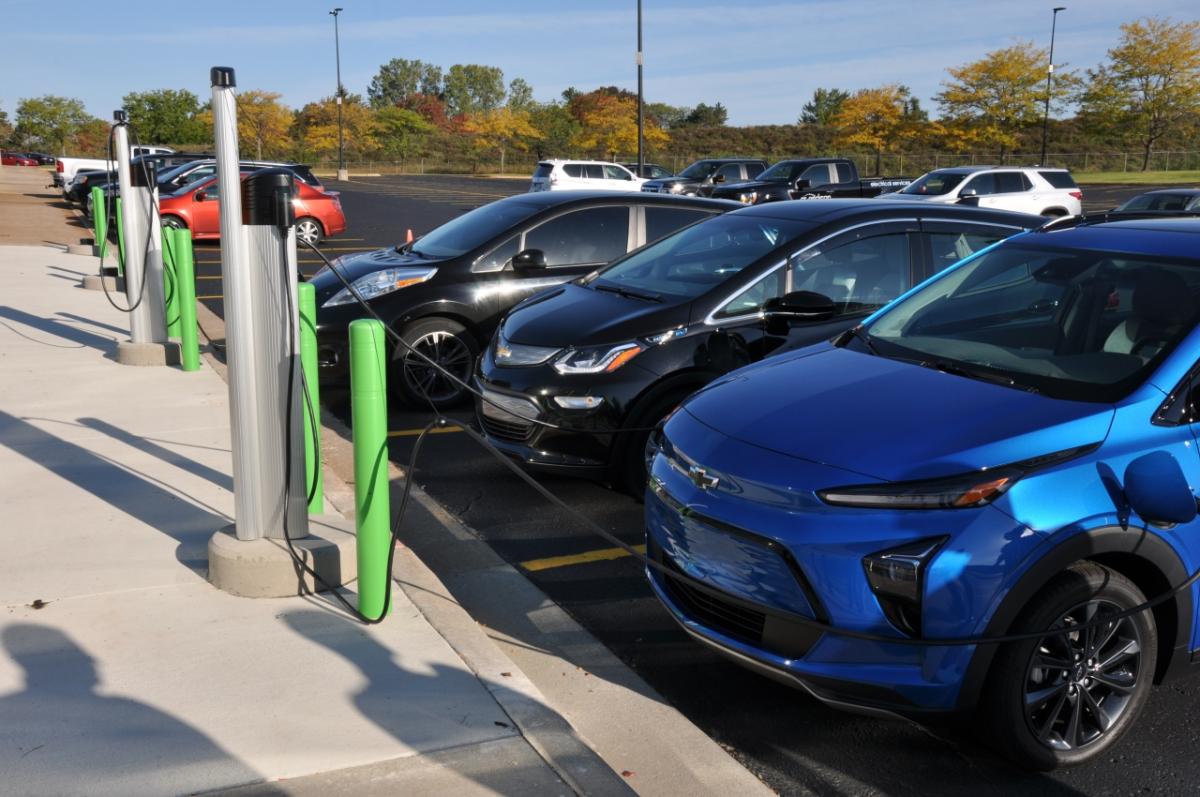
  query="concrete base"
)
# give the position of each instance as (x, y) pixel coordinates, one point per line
(94, 282)
(130, 353)
(264, 568)
(79, 249)
(343, 174)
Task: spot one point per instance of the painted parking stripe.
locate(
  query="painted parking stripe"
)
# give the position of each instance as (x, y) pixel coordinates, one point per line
(600, 555)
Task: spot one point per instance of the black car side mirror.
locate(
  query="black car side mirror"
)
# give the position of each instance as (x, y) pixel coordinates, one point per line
(802, 183)
(720, 178)
(801, 306)
(529, 259)
(972, 200)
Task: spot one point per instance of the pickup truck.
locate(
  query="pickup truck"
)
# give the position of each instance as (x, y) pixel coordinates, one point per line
(65, 168)
(809, 178)
(79, 187)
(699, 178)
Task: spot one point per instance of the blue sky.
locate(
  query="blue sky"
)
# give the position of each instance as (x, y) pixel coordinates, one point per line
(761, 59)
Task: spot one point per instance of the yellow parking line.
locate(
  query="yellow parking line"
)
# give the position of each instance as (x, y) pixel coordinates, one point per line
(415, 432)
(218, 296)
(600, 555)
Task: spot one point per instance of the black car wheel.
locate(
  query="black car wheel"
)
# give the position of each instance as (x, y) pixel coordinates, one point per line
(174, 222)
(1068, 697)
(446, 343)
(630, 461)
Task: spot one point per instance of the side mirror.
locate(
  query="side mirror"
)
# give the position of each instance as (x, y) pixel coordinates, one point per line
(968, 192)
(802, 183)
(801, 306)
(1157, 490)
(529, 259)
(200, 196)
(720, 178)
(971, 199)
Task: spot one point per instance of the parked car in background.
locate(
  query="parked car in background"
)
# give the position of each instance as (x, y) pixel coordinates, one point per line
(649, 171)
(1006, 450)
(42, 158)
(564, 175)
(196, 207)
(808, 178)
(445, 292)
(84, 180)
(619, 349)
(65, 168)
(17, 159)
(1046, 192)
(1166, 199)
(700, 177)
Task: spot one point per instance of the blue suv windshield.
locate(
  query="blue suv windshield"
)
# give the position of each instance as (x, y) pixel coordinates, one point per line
(1079, 324)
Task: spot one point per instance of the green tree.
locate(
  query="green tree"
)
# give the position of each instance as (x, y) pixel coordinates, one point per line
(50, 121)
(400, 131)
(399, 79)
(667, 116)
(165, 116)
(1150, 86)
(993, 99)
(558, 127)
(707, 115)
(472, 88)
(520, 95)
(6, 128)
(823, 106)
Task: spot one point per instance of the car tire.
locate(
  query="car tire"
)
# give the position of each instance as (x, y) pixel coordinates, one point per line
(1063, 700)
(174, 222)
(416, 382)
(309, 229)
(629, 463)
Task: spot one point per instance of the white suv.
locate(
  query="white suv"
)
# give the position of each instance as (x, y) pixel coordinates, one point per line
(1043, 192)
(563, 175)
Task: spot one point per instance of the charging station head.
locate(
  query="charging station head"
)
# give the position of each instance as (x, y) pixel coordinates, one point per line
(222, 76)
(267, 197)
(143, 174)
(120, 117)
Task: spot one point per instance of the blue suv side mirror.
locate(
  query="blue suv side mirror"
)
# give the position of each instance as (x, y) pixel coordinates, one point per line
(1157, 490)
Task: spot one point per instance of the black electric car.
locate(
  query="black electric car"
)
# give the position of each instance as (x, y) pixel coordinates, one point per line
(445, 292)
(575, 376)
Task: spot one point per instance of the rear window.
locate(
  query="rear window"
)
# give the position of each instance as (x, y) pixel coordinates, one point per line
(1059, 179)
(543, 170)
(306, 174)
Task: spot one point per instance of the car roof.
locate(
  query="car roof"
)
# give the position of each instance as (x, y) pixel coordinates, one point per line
(1178, 191)
(829, 210)
(549, 199)
(1161, 236)
(577, 160)
(974, 169)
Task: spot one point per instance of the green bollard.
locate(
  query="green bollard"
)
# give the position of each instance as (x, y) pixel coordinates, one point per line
(170, 282)
(120, 241)
(368, 414)
(185, 289)
(307, 302)
(99, 221)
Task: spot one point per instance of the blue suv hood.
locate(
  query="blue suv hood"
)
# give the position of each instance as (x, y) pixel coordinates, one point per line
(887, 419)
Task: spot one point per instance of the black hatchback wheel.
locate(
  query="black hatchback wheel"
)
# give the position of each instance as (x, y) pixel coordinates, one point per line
(1069, 696)
(444, 342)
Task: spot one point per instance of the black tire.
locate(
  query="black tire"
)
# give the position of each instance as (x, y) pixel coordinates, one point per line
(174, 222)
(308, 228)
(419, 384)
(628, 469)
(1066, 699)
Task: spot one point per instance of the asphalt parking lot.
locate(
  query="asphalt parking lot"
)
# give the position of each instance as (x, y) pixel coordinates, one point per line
(797, 745)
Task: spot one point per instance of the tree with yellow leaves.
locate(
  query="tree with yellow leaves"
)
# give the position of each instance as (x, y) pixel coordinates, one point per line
(609, 124)
(317, 127)
(501, 128)
(990, 101)
(1151, 83)
(263, 122)
(880, 118)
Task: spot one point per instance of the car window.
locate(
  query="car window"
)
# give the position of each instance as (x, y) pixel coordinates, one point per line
(1011, 183)
(202, 173)
(859, 275)
(305, 174)
(981, 184)
(933, 184)
(593, 235)
(498, 258)
(816, 175)
(1059, 179)
(1158, 202)
(753, 170)
(658, 172)
(844, 173)
(211, 190)
(949, 247)
(573, 169)
(593, 171)
(616, 173)
(662, 221)
(731, 172)
(752, 299)
(474, 228)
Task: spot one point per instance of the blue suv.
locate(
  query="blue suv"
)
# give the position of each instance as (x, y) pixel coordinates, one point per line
(1002, 455)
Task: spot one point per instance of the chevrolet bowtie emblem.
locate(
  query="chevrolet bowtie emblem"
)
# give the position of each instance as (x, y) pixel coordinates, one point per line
(701, 479)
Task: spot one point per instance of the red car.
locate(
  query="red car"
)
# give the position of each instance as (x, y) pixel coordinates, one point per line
(17, 159)
(197, 207)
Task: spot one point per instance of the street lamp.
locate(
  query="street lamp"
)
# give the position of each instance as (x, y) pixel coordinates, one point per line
(1049, 74)
(641, 156)
(337, 49)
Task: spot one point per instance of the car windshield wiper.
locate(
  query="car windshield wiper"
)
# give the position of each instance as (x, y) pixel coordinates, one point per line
(955, 369)
(859, 333)
(632, 294)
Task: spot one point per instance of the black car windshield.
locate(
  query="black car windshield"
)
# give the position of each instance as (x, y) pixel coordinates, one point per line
(700, 257)
(473, 229)
(1079, 324)
(784, 171)
(698, 170)
(934, 184)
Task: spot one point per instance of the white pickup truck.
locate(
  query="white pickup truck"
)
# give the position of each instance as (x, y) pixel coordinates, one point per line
(65, 168)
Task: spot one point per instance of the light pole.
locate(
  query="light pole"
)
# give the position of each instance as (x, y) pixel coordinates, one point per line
(1049, 74)
(337, 49)
(641, 155)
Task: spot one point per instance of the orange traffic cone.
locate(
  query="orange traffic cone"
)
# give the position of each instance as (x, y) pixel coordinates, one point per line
(408, 238)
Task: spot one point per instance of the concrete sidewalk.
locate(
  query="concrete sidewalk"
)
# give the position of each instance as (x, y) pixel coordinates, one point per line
(124, 672)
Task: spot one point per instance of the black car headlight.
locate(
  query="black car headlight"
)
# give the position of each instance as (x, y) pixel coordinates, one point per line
(517, 355)
(379, 283)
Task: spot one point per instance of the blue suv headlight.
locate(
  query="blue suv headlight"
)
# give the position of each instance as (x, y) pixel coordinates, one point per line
(957, 492)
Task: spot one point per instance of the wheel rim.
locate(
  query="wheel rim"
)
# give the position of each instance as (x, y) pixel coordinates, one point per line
(307, 230)
(448, 351)
(1079, 685)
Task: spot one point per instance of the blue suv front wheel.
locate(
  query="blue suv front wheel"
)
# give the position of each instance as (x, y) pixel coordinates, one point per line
(1065, 698)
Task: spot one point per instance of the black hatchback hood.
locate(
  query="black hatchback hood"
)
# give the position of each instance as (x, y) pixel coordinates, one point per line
(574, 315)
(359, 264)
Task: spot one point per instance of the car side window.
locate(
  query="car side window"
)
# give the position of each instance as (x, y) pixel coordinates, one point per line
(843, 173)
(498, 258)
(1011, 183)
(858, 275)
(981, 184)
(593, 235)
(657, 172)
(202, 173)
(753, 170)
(947, 247)
(662, 221)
(573, 169)
(752, 300)
(730, 173)
(816, 175)
(616, 173)
(593, 171)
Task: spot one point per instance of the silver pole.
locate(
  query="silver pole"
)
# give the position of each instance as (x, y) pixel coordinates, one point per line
(143, 258)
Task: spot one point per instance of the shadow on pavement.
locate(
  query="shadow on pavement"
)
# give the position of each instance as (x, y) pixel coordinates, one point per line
(94, 322)
(222, 480)
(57, 328)
(59, 735)
(124, 488)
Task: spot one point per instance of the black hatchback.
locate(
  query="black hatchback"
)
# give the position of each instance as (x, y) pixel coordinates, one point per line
(445, 292)
(576, 376)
